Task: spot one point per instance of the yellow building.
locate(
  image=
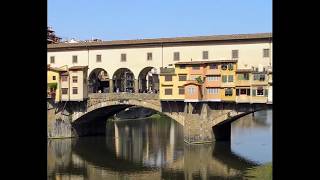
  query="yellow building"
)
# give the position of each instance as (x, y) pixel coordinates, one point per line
(180, 84)
(243, 85)
(259, 86)
(54, 83)
(228, 78)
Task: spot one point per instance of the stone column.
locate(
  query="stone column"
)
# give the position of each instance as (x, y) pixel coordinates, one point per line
(136, 86)
(111, 85)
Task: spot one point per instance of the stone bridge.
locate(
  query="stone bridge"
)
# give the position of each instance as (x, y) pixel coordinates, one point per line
(202, 121)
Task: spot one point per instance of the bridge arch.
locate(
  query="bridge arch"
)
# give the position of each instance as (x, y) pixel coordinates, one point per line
(148, 79)
(98, 81)
(124, 80)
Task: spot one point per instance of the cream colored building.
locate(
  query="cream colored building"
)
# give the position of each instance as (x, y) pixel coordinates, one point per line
(74, 84)
(139, 55)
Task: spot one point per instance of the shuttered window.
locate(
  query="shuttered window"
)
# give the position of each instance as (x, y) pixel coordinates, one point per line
(168, 78)
(224, 78)
(254, 92)
(181, 90)
(235, 54)
(205, 55)
(168, 91)
(230, 78)
(176, 56)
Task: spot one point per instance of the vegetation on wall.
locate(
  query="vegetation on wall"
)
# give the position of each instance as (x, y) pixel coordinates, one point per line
(52, 85)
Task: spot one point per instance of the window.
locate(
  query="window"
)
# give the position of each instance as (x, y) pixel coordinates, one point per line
(230, 67)
(74, 79)
(182, 66)
(64, 90)
(243, 91)
(235, 54)
(182, 77)
(168, 78)
(259, 92)
(224, 66)
(191, 90)
(181, 90)
(213, 90)
(230, 78)
(176, 56)
(123, 57)
(266, 92)
(98, 58)
(196, 67)
(205, 55)
(224, 78)
(74, 59)
(254, 92)
(168, 91)
(213, 66)
(53, 77)
(74, 90)
(260, 77)
(52, 59)
(228, 92)
(266, 52)
(244, 76)
(149, 56)
(64, 78)
(213, 78)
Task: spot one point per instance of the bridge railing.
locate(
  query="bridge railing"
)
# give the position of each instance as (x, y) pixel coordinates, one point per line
(124, 95)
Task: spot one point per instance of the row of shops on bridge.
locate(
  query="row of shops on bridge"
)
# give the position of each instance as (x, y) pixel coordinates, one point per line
(192, 81)
(216, 81)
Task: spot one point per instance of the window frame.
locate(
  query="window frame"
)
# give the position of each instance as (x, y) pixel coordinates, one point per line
(52, 60)
(205, 54)
(123, 57)
(182, 75)
(74, 59)
(98, 60)
(176, 56)
(235, 54)
(166, 78)
(74, 78)
(166, 90)
(73, 90)
(66, 91)
(149, 56)
(264, 54)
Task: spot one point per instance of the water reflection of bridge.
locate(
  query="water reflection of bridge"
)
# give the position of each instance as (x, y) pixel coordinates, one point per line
(142, 150)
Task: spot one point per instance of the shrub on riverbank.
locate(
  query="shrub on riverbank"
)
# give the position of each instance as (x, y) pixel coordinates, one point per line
(263, 172)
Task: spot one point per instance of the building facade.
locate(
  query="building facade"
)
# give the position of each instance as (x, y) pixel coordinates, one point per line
(136, 59)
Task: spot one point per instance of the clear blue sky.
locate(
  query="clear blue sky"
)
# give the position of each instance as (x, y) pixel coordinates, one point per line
(137, 19)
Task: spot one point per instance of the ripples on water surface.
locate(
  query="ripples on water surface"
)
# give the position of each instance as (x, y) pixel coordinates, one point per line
(154, 149)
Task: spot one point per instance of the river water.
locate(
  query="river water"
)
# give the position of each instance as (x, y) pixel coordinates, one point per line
(154, 149)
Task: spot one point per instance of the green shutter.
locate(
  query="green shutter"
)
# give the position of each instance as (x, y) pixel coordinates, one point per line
(266, 92)
(230, 78)
(254, 92)
(224, 78)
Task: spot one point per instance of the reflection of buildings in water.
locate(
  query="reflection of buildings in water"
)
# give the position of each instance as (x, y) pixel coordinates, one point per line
(58, 154)
(92, 160)
(259, 120)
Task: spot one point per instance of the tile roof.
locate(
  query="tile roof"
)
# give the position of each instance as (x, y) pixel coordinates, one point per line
(206, 62)
(163, 40)
(78, 67)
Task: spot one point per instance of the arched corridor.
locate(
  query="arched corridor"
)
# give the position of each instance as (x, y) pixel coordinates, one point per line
(98, 81)
(149, 80)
